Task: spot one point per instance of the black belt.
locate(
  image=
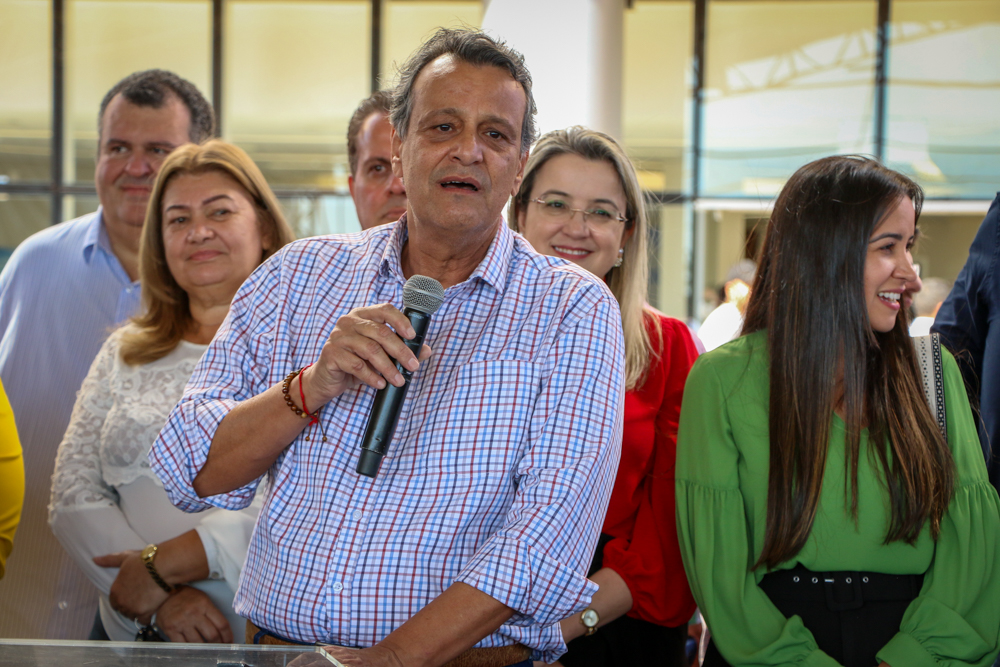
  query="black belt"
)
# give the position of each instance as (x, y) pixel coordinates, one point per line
(842, 591)
(851, 615)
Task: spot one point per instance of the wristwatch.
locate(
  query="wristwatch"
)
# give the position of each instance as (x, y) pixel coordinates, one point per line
(148, 554)
(590, 619)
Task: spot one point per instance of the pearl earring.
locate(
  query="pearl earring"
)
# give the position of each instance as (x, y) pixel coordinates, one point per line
(621, 255)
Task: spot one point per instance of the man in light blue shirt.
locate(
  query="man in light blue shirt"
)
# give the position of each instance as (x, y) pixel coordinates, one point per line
(61, 293)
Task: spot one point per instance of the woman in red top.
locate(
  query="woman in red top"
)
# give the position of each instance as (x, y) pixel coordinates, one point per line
(580, 200)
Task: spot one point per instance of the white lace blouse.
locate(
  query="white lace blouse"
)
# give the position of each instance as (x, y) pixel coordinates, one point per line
(105, 498)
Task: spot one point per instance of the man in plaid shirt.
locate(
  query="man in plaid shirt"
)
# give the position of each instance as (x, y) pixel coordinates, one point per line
(475, 538)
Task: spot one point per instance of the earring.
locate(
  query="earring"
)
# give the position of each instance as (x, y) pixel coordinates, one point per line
(621, 255)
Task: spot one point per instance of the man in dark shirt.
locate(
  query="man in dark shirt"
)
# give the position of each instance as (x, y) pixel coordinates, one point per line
(967, 327)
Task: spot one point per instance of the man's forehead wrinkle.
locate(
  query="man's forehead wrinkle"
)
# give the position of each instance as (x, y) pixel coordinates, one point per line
(488, 117)
(447, 65)
(442, 111)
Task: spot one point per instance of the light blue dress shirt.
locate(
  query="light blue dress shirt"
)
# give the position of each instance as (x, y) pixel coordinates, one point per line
(62, 292)
(501, 466)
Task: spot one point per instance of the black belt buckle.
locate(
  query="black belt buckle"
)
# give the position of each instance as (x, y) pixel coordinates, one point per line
(838, 586)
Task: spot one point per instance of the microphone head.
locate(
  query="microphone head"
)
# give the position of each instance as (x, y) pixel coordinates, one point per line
(423, 294)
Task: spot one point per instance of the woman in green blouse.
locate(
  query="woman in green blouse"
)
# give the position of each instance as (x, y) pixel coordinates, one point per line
(823, 518)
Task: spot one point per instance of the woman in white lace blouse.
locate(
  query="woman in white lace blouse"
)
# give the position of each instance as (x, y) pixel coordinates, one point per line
(212, 219)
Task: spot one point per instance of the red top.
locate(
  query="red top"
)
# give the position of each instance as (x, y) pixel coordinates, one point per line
(641, 515)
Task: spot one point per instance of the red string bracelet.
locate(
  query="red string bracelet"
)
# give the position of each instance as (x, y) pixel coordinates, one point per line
(302, 395)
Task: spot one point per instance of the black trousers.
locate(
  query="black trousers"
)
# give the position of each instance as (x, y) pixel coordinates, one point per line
(852, 615)
(629, 642)
(626, 642)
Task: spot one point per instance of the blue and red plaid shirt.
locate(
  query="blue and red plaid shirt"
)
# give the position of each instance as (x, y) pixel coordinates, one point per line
(500, 470)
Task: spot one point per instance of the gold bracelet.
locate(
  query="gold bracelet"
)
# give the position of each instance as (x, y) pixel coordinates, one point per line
(148, 554)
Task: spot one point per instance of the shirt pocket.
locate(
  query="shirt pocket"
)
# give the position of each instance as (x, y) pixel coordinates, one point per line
(478, 422)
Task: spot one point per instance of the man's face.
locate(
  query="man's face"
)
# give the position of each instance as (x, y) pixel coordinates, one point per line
(379, 195)
(134, 142)
(462, 157)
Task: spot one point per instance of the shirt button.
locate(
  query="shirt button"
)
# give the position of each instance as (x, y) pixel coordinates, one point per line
(337, 587)
(357, 515)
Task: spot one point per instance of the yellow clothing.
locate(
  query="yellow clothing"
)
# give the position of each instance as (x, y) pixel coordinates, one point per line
(11, 480)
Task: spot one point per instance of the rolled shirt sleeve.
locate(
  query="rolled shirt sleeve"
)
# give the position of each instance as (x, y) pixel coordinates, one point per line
(233, 369)
(537, 562)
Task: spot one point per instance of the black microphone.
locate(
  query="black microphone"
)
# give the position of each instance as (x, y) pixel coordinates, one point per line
(421, 297)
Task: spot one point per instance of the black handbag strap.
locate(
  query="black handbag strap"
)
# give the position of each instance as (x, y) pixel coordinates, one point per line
(928, 349)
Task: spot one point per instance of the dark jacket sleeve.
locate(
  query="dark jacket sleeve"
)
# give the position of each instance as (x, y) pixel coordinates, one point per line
(964, 324)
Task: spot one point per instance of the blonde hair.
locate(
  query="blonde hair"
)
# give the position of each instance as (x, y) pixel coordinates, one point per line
(166, 315)
(627, 282)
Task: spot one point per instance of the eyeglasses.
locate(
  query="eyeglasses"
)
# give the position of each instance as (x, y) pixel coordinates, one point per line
(596, 216)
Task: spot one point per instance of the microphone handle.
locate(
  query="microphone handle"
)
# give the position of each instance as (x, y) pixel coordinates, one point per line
(389, 403)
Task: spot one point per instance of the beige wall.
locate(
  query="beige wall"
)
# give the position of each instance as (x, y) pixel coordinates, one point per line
(670, 260)
(730, 231)
(944, 244)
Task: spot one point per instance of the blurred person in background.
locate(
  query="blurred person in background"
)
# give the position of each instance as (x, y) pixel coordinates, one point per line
(212, 220)
(11, 480)
(725, 322)
(378, 194)
(926, 302)
(580, 200)
(61, 293)
(967, 322)
(823, 516)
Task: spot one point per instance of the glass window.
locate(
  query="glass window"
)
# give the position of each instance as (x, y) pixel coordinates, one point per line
(26, 82)
(407, 23)
(107, 40)
(785, 83)
(656, 92)
(944, 94)
(317, 215)
(20, 217)
(294, 73)
(73, 206)
(669, 255)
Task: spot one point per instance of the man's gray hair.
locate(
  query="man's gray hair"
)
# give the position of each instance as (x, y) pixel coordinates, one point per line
(475, 48)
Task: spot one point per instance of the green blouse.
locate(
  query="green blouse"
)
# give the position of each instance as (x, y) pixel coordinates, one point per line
(722, 471)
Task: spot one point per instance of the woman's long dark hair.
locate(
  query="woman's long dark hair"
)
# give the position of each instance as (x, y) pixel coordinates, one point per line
(809, 296)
